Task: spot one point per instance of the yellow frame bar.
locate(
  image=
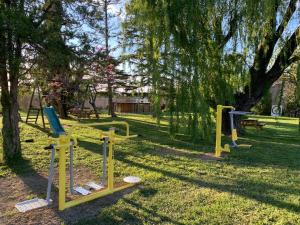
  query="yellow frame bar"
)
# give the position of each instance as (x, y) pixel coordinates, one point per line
(110, 170)
(94, 195)
(108, 123)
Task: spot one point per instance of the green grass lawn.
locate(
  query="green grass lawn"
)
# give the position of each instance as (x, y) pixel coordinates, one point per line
(260, 185)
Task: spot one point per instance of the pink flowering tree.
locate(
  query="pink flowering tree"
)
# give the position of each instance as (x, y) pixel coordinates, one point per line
(104, 74)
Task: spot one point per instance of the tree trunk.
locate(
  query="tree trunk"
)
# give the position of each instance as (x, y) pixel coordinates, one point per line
(63, 107)
(92, 101)
(10, 129)
(261, 78)
(95, 109)
(60, 107)
(248, 99)
(111, 110)
(9, 96)
(226, 122)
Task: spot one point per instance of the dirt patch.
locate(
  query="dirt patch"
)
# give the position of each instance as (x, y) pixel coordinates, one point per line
(212, 157)
(20, 188)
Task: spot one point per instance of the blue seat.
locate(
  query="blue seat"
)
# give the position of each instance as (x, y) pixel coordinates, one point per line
(54, 122)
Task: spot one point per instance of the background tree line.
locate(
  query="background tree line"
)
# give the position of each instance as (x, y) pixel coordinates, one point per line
(192, 54)
(61, 45)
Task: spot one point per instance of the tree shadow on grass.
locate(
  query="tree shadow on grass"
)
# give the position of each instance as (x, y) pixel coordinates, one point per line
(91, 146)
(265, 157)
(130, 214)
(36, 184)
(118, 217)
(155, 133)
(240, 187)
(83, 213)
(40, 128)
(270, 147)
(245, 188)
(160, 135)
(152, 132)
(24, 170)
(266, 150)
(152, 213)
(162, 151)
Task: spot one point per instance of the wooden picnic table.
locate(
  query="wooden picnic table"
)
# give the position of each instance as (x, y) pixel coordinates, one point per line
(252, 123)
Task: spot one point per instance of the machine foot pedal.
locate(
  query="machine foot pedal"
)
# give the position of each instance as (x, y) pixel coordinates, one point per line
(132, 180)
(244, 146)
(95, 186)
(31, 204)
(82, 191)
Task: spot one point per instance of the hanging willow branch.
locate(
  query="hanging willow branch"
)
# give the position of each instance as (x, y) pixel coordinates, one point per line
(198, 54)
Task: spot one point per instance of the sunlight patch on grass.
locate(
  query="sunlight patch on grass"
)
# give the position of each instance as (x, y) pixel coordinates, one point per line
(259, 185)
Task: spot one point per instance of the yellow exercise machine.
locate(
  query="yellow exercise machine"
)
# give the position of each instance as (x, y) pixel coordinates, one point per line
(218, 148)
(64, 144)
(234, 137)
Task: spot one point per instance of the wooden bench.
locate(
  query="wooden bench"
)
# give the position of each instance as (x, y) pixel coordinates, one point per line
(252, 123)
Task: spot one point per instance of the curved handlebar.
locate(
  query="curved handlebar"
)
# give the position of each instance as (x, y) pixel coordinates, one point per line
(106, 123)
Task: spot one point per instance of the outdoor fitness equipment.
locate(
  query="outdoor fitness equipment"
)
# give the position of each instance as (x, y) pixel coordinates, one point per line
(234, 137)
(67, 142)
(111, 138)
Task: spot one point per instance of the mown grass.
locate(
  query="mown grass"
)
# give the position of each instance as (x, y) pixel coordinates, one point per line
(251, 186)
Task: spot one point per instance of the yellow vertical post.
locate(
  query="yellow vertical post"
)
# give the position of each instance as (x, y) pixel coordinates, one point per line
(63, 143)
(218, 148)
(110, 160)
(127, 129)
(234, 135)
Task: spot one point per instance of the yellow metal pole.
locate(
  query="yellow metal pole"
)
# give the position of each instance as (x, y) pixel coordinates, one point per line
(218, 147)
(127, 129)
(110, 160)
(63, 143)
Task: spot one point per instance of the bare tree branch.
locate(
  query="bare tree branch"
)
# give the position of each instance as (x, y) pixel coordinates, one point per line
(285, 58)
(265, 50)
(232, 30)
(289, 12)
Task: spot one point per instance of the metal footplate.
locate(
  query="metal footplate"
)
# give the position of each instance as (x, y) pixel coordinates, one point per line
(38, 202)
(95, 186)
(82, 191)
(31, 204)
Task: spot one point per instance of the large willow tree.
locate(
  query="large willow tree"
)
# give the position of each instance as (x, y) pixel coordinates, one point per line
(199, 53)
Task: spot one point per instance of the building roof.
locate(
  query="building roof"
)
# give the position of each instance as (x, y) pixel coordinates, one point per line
(131, 100)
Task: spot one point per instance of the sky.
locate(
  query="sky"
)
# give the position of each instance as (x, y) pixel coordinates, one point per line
(117, 10)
